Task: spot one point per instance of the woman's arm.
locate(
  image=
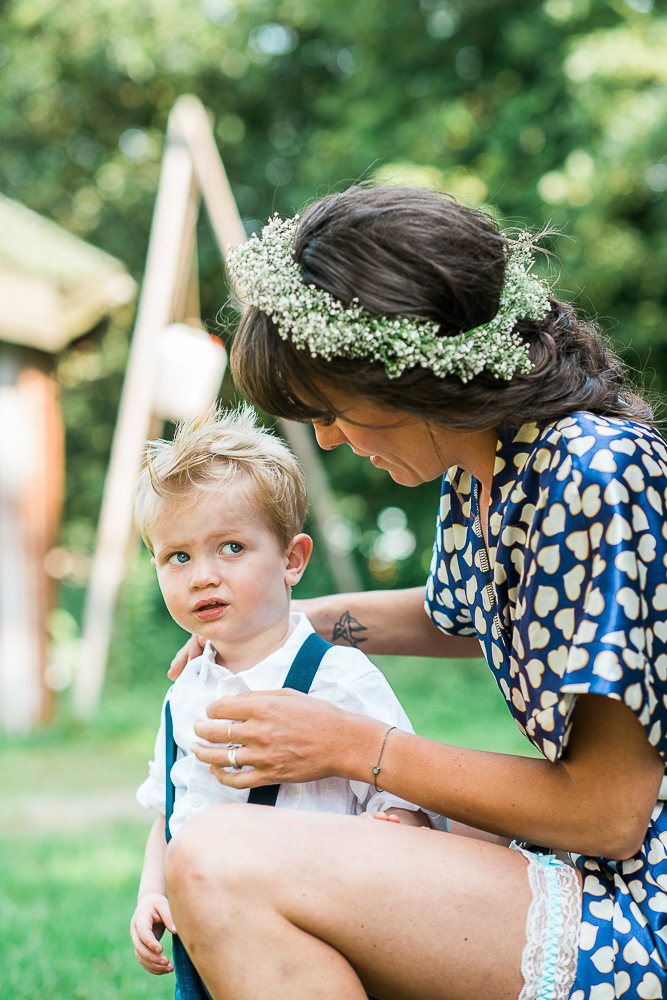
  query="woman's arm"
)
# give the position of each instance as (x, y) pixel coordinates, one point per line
(392, 622)
(596, 801)
(378, 621)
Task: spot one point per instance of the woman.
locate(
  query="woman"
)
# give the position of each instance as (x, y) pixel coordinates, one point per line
(550, 553)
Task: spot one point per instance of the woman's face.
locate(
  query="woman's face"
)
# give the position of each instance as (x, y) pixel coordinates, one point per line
(411, 450)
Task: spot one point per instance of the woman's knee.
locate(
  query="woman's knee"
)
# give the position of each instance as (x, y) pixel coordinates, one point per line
(227, 845)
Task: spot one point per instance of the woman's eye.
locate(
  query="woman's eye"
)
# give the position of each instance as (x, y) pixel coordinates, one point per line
(232, 548)
(178, 558)
(326, 421)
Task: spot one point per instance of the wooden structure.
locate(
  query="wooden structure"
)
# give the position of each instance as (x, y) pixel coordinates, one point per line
(53, 288)
(191, 171)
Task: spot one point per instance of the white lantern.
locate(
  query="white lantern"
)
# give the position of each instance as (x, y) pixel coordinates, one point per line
(189, 372)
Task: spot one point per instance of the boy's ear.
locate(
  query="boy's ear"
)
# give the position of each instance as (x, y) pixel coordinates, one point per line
(297, 554)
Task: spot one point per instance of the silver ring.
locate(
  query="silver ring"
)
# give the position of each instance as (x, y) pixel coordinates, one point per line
(231, 757)
(229, 732)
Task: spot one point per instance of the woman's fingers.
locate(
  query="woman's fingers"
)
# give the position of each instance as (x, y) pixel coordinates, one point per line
(241, 707)
(189, 651)
(220, 767)
(286, 736)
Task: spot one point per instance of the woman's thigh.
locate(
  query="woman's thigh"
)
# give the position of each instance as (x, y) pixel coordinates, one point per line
(420, 915)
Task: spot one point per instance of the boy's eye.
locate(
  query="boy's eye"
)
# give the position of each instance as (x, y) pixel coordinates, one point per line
(232, 548)
(178, 558)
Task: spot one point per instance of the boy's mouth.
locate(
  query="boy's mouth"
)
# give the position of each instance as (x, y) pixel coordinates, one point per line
(206, 611)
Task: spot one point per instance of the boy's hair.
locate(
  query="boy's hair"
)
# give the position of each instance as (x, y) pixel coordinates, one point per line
(213, 451)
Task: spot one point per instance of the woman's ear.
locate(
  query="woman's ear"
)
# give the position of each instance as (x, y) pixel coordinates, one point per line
(297, 554)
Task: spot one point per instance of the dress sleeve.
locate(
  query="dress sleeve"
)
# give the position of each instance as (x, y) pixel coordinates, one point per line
(591, 609)
(152, 793)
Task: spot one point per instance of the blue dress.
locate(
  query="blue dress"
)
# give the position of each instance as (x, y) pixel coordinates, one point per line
(572, 598)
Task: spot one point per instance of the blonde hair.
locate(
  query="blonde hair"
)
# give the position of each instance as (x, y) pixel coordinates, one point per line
(214, 451)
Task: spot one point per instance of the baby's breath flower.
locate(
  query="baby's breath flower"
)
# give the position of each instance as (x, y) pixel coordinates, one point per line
(317, 322)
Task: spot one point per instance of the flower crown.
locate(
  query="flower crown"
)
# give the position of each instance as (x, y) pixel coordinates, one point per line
(316, 321)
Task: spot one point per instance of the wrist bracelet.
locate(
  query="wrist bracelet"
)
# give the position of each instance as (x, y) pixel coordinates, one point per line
(377, 768)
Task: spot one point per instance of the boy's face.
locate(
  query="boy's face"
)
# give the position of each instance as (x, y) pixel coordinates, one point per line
(223, 572)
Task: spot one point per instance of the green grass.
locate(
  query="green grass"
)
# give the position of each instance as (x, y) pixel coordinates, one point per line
(65, 906)
(66, 897)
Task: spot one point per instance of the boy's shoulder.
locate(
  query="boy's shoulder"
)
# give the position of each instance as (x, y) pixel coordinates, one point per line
(347, 663)
(348, 679)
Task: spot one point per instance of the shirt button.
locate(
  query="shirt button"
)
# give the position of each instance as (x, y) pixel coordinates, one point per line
(216, 672)
(196, 801)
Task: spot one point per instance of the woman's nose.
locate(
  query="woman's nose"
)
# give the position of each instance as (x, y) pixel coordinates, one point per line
(330, 436)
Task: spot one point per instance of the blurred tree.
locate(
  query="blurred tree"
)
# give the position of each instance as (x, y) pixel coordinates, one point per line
(552, 112)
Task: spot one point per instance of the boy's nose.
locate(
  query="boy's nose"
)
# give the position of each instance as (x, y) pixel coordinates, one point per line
(204, 575)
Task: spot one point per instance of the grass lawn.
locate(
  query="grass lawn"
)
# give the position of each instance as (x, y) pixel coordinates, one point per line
(65, 905)
(69, 870)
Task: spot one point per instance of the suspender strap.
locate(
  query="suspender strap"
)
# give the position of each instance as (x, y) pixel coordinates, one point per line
(170, 760)
(300, 678)
(306, 663)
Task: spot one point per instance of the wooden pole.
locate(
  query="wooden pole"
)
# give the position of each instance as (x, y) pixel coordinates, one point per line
(195, 126)
(174, 220)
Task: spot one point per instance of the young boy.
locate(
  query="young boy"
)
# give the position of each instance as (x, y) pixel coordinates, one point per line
(221, 509)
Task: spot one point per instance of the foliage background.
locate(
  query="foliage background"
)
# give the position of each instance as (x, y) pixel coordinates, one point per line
(547, 113)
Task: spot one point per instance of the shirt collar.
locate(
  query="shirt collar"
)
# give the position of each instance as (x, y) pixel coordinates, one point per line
(271, 672)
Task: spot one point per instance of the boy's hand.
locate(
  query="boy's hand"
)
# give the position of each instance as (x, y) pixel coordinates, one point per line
(407, 817)
(147, 926)
(189, 651)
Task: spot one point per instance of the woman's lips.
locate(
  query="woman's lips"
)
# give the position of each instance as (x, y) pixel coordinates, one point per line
(209, 612)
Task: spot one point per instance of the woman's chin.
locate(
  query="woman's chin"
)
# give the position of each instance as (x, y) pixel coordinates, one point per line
(406, 477)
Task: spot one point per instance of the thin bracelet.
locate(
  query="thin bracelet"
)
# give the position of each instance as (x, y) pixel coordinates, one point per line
(377, 768)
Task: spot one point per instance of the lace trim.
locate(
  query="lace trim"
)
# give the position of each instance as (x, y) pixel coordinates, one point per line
(549, 960)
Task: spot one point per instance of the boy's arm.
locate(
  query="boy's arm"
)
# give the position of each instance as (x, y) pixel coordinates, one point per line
(152, 914)
(152, 873)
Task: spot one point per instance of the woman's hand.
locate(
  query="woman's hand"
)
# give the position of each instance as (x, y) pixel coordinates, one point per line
(189, 651)
(287, 736)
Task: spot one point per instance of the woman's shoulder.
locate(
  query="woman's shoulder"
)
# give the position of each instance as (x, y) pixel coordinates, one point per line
(592, 431)
(586, 448)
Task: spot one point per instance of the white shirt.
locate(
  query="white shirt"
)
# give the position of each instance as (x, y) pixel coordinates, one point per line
(346, 677)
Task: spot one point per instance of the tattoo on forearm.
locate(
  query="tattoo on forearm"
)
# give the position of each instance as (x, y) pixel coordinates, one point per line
(345, 628)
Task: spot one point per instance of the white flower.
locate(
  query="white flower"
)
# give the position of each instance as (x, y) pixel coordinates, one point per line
(271, 280)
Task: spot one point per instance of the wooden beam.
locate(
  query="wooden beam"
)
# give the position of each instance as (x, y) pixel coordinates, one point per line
(174, 219)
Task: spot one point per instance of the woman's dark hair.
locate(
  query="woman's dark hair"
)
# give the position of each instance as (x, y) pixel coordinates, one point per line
(409, 252)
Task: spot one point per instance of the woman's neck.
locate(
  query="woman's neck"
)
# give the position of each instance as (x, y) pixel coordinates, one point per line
(474, 451)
